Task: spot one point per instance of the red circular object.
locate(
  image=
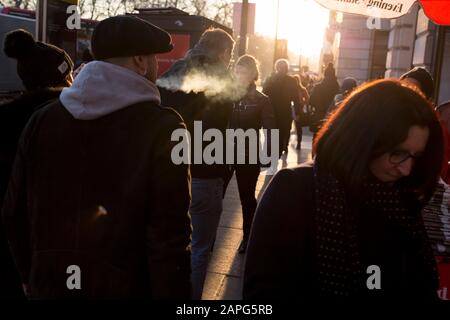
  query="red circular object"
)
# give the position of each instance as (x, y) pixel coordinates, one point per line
(437, 10)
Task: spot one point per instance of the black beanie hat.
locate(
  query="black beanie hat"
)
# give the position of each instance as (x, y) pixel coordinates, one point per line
(424, 78)
(126, 36)
(39, 65)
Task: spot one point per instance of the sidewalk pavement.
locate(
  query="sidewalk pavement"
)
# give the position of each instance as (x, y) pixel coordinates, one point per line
(224, 278)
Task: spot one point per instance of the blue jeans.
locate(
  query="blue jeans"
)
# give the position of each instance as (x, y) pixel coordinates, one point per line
(205, 210)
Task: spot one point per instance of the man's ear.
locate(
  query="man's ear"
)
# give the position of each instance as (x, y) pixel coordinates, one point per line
(140, 64)
(137, 60)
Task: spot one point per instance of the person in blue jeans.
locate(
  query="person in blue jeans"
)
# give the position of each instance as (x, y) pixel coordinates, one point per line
(205, 210)
(202, 101)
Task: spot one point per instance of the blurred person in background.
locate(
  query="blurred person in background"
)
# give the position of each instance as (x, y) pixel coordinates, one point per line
(282, 90)
(298, 111)
(323, 94)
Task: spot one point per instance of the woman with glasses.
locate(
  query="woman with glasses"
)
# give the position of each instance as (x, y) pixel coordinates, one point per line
(353, 227)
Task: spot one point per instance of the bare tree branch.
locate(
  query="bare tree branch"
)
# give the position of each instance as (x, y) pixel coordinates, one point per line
(217, 10)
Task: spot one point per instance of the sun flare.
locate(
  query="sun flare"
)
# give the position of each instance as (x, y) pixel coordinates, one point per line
(301, 22)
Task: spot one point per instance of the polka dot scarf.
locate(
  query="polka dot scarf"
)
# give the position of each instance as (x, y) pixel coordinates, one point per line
(340, 272)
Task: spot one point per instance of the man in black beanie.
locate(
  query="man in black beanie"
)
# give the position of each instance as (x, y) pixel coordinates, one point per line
(44, 70)
(420, 78)
(104, 210)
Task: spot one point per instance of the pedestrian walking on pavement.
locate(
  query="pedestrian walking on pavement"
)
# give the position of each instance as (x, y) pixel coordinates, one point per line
(282, 90)
(323, 94)
(354, 216)
(184, 88)
(96, 208)
(253, 111)
(298, 111)
(44, 70)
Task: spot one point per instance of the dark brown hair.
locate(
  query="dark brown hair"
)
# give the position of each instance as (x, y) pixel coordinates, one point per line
(373, 120)
(249, 62)
(216, 41)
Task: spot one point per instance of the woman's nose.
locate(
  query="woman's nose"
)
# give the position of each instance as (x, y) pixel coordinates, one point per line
(405, 167)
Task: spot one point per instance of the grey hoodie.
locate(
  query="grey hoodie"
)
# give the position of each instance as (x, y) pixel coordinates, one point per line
(102, 88)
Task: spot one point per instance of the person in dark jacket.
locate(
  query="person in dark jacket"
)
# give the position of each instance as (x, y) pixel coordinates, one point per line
(200, 88)
(420, 78)
(348, 85)
(304, 100)
(323, 94)
(96, 208)
(44, 70)
(282, 90)
(353, 228)
(253, 111)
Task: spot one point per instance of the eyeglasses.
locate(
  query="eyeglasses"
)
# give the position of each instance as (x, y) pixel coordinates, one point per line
(399, 156)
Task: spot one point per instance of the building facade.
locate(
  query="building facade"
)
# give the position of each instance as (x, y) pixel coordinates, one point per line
(389, 48)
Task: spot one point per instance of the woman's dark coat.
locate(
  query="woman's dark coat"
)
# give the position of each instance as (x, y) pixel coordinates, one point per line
(281, 254)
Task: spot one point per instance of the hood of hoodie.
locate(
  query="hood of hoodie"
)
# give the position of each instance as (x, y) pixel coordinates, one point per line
(102, 88)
